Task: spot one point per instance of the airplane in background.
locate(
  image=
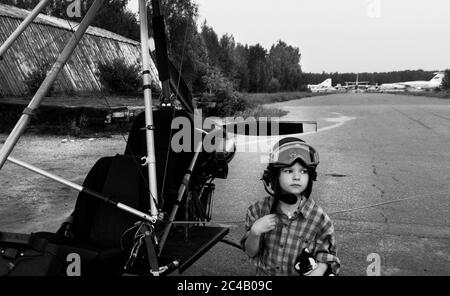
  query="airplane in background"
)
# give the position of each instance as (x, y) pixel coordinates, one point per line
(340, 88)
(356, 85)
(325, 86)
(417, 85)
(373, 88)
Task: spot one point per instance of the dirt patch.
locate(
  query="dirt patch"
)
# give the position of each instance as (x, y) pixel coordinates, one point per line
(30, 202)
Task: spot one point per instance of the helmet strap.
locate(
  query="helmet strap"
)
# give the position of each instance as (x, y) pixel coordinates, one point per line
(287, 198)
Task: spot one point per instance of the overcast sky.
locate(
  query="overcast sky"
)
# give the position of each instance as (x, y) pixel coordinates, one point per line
(341, 36)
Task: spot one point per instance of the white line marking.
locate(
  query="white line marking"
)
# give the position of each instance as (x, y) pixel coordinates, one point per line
(339, 122)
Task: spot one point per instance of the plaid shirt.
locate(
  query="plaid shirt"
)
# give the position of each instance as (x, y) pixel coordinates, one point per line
(310, 227)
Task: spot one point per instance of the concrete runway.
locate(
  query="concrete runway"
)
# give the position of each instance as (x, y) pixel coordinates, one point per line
(383, 177)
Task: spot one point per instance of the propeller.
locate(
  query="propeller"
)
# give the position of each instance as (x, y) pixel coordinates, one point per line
(267, 127)
(169, 76)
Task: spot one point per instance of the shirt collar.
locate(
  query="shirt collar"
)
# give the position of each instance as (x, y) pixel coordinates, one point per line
(305, 210)
(307, 207)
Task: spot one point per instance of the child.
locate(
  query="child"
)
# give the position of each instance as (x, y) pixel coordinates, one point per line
(280, 226)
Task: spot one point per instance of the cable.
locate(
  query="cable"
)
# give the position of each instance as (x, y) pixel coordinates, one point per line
(173, 115)
(102, 96)
(125, 232)
(387, 202)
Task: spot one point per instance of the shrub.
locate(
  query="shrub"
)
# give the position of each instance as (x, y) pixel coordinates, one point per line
(226, 101)
(76, 125)
(446, 80)
(274, 85)
(259, 111)
(119, 78)
(229, 103)
(73, 128)
(36, 77)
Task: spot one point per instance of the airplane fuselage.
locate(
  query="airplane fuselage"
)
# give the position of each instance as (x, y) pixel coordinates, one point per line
(435, 82)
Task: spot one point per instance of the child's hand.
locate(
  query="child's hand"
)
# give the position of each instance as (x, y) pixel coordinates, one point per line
(264, 224)
(319, 270)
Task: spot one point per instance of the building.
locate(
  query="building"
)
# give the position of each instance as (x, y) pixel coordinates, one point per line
(42, 43)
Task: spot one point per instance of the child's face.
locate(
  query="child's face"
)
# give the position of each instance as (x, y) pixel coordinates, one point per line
(294, 179)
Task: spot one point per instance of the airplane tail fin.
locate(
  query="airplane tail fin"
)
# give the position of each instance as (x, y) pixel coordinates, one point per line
(326, 83)
(438, 77)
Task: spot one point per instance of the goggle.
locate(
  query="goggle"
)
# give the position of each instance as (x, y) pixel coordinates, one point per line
(287, 154)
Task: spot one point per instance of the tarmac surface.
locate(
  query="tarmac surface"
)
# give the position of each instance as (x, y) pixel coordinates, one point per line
(383, 178)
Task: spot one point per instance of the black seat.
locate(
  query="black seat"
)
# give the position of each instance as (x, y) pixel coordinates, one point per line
(106, 230)
(102, 227)
(171, 166)
(99, 230)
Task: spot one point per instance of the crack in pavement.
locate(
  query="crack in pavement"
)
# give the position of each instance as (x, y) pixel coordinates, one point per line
(399, 229)
(437, 115)
(413, 119)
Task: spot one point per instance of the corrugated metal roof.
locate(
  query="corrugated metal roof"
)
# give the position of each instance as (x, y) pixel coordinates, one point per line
(14, 12)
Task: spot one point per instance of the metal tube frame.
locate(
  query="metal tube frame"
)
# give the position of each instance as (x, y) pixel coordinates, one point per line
(150, 159)
(24, 120)
(19, 30)
(181, 191)
(79, 188)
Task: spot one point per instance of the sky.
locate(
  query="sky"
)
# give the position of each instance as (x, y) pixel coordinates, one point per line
(340, 36)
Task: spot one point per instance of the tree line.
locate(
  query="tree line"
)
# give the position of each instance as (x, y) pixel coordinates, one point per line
(209, 62)
(205, 58)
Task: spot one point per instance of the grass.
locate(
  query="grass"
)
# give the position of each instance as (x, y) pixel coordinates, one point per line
(255, 102)
(63, 114)
(260, 111)
(443, 94)
(268, 98)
